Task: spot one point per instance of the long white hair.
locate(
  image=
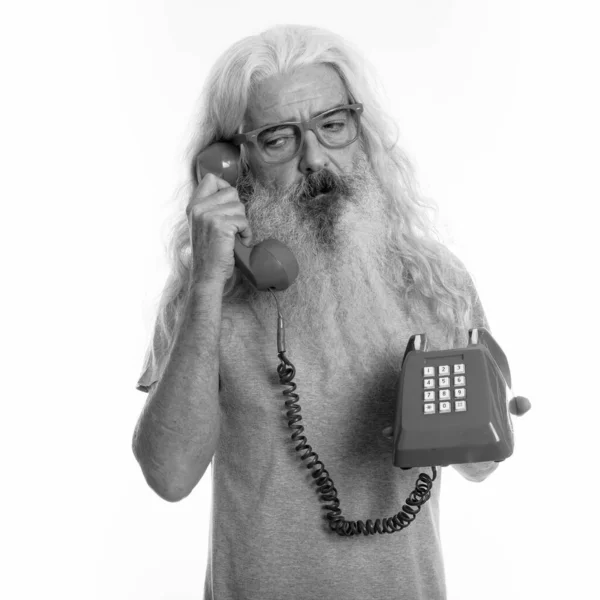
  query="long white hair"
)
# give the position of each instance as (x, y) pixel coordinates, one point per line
(434, 278)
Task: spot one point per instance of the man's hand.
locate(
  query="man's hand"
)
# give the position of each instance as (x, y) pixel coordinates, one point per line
(519, 405)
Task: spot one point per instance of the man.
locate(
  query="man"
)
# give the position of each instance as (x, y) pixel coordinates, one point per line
(371, 274)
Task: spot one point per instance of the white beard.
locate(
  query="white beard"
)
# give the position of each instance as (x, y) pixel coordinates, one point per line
(345, 304)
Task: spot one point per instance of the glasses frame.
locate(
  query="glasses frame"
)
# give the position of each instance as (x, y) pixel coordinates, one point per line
(250, 137)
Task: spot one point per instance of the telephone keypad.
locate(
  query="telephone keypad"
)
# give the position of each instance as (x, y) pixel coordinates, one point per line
(443, 385)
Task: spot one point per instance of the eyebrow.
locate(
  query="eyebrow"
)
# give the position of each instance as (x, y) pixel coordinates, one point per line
(312, 116)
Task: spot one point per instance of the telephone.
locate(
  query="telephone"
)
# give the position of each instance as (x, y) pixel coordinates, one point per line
(430, 426)
(268, 265)
(451, 406)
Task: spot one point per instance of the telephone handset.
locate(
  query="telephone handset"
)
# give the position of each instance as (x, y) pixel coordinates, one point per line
(453, 406)
(268, 265)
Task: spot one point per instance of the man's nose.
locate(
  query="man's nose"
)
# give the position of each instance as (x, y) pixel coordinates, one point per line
(313, 155)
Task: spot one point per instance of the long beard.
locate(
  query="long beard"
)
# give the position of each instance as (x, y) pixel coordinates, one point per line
(345, 298)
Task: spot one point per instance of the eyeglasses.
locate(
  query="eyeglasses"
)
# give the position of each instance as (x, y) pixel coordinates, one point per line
(335, 128)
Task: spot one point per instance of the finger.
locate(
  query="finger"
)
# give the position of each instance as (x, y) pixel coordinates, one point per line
(211, 183)
(519, 405)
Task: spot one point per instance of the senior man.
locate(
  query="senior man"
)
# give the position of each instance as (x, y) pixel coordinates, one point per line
(323, 175)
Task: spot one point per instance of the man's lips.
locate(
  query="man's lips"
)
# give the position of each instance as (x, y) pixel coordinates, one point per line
(325, 193)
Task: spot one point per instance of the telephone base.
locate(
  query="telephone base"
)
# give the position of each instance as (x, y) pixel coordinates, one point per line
(452, 405)
(443, 457)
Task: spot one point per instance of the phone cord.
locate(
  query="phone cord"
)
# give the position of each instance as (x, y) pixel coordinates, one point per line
(337, 522)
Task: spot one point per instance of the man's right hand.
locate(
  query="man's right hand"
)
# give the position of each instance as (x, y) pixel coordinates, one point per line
(215, 216)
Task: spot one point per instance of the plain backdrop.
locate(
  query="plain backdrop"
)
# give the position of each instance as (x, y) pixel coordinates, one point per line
(497, 104)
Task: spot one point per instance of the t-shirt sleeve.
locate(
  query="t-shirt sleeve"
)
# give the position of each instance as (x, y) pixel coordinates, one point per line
(479, 317)
(155, 361)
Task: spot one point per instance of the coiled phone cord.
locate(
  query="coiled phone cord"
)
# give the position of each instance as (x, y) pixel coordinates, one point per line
(337, 522)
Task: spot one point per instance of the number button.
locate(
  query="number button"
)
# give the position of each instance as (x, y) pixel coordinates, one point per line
(460, 368)
(429, 396)
(429, 409)
(460, 380)
(460, 393)
(444, 394)
(429, 371)
(429, 383)
(444, 370)
(460, 406)
(445, 407)
(444, 382)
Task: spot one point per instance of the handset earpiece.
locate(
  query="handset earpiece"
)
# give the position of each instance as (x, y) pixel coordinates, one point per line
(221, 159)
(268, 265)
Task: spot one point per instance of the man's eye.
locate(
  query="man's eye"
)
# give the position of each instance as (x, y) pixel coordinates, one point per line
(277, 142)
(334, 125)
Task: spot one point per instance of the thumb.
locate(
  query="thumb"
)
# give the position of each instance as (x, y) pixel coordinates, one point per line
(519, 405)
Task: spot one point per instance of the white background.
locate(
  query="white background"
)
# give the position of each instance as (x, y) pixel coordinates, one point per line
(497, 104)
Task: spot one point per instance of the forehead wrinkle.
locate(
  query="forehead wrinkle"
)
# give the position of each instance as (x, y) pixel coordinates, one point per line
(315, 86)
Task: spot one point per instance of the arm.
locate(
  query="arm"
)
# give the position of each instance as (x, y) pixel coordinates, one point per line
(476, 472)
(177, 433)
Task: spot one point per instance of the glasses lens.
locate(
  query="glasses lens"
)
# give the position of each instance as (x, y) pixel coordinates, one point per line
(339, 127)
(335, 129)
(279, 143)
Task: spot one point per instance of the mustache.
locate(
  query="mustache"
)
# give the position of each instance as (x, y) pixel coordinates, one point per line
(322, 182)
(311, 186)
